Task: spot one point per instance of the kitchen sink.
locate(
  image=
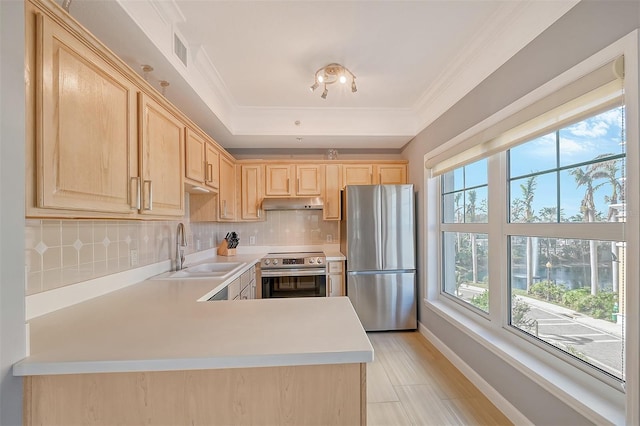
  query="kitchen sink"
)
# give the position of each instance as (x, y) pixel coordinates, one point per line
(205, 270)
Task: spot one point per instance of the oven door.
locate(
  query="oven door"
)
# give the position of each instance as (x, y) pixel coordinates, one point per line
(308, 282)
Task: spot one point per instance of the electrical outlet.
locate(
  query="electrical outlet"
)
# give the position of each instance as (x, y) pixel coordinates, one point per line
(252, 240)
(133, 256)
(329, 238)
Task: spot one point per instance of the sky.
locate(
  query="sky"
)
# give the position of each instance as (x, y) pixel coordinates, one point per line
(577, 143)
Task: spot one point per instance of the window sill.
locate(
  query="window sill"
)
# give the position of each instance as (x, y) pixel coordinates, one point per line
(593, 398)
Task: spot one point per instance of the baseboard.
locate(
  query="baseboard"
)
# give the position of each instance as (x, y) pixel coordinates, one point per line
(487, 390)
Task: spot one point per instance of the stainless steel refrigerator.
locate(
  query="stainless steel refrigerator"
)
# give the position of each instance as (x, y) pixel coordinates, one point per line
(377, 235)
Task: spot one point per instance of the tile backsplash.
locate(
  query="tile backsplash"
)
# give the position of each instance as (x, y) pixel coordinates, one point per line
(63, 252)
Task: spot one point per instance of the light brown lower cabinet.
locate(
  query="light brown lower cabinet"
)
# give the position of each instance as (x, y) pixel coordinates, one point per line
(313, 394)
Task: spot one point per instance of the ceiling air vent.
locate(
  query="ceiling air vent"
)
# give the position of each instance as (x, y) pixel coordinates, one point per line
(180, 49)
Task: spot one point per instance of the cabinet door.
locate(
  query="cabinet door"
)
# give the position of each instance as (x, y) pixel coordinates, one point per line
(309, 180)
(357, 174)
(332, 178)
(391, 174)
(335, 271)
(251, 191)
(162, 161)
(227, 194)
(212, 172)
(86, 144)
(195, 164)
(278, 179)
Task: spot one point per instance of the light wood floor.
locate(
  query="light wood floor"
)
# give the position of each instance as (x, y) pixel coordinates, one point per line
(411, 383)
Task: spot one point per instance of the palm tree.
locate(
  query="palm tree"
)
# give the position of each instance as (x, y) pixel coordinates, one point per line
(608, 170)
(588, 209)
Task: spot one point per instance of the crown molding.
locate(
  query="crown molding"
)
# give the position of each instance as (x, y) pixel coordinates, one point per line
(472, 65)
(159, 19)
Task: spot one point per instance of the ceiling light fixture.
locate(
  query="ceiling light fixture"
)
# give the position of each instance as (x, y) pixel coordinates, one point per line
(330, 74)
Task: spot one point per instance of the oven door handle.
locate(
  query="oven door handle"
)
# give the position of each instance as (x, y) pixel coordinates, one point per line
(293, 272)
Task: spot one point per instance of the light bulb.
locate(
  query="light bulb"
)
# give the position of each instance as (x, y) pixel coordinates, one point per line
(324, 94)
(343, 79)
(314, 87)
(320, 79)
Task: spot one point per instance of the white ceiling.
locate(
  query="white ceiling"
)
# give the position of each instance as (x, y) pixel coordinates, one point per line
(250, 63)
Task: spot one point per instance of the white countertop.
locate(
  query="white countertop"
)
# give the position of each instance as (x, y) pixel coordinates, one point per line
(159, 325)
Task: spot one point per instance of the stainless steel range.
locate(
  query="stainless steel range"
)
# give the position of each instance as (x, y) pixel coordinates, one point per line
(294, 275)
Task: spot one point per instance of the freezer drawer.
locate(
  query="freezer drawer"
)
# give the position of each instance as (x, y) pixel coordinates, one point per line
(384, 300)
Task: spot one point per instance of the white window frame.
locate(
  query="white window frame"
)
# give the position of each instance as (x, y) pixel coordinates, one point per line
(585, 392)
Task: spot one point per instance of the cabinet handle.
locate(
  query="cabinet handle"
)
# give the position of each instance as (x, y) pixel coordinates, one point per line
(210, 172)
(150, 195)
(298, 183)
(380, 178)
(330, 286)
(224, 208)
(288, 189)
(259, 211)
(137, 201)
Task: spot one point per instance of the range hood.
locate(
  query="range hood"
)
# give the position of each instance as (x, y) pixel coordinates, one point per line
(291, 203)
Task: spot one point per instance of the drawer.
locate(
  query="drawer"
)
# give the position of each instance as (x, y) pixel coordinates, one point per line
(335, 267)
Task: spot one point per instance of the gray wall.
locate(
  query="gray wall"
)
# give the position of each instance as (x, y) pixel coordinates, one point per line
(584, 30)
(12, 136)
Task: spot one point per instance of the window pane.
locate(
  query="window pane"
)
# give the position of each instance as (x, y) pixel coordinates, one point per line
(533, 199)
(475, 174)
(453, 208)
(594, 137)
(465, 268)
(453, 181)
(475, 205)
(533, 156)
(568, 293)
(592, 193)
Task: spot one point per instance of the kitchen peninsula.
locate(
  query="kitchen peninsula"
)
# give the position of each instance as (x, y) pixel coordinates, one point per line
(151, 353)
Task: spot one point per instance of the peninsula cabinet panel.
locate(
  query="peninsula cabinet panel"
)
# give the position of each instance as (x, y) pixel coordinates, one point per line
(162, 161)
(86, 155)
(391, 174)
(251, 192)
(333, 394)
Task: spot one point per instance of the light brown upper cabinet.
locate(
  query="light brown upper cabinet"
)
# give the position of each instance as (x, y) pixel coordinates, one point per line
(251, 191)
(86, 145)
(201, 160)
(390, 174)
(161, 159)
(331, 197)
(357, 174)
(227, 194)
(195, 164)
(100, 144)
(212, 172)
(278, 179)
(309, 180)
(287, 180)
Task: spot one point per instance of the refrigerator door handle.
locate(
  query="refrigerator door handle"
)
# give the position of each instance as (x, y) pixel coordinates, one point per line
(395, 271)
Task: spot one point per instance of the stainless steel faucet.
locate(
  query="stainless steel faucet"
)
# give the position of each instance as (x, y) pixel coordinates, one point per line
(181, 243)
